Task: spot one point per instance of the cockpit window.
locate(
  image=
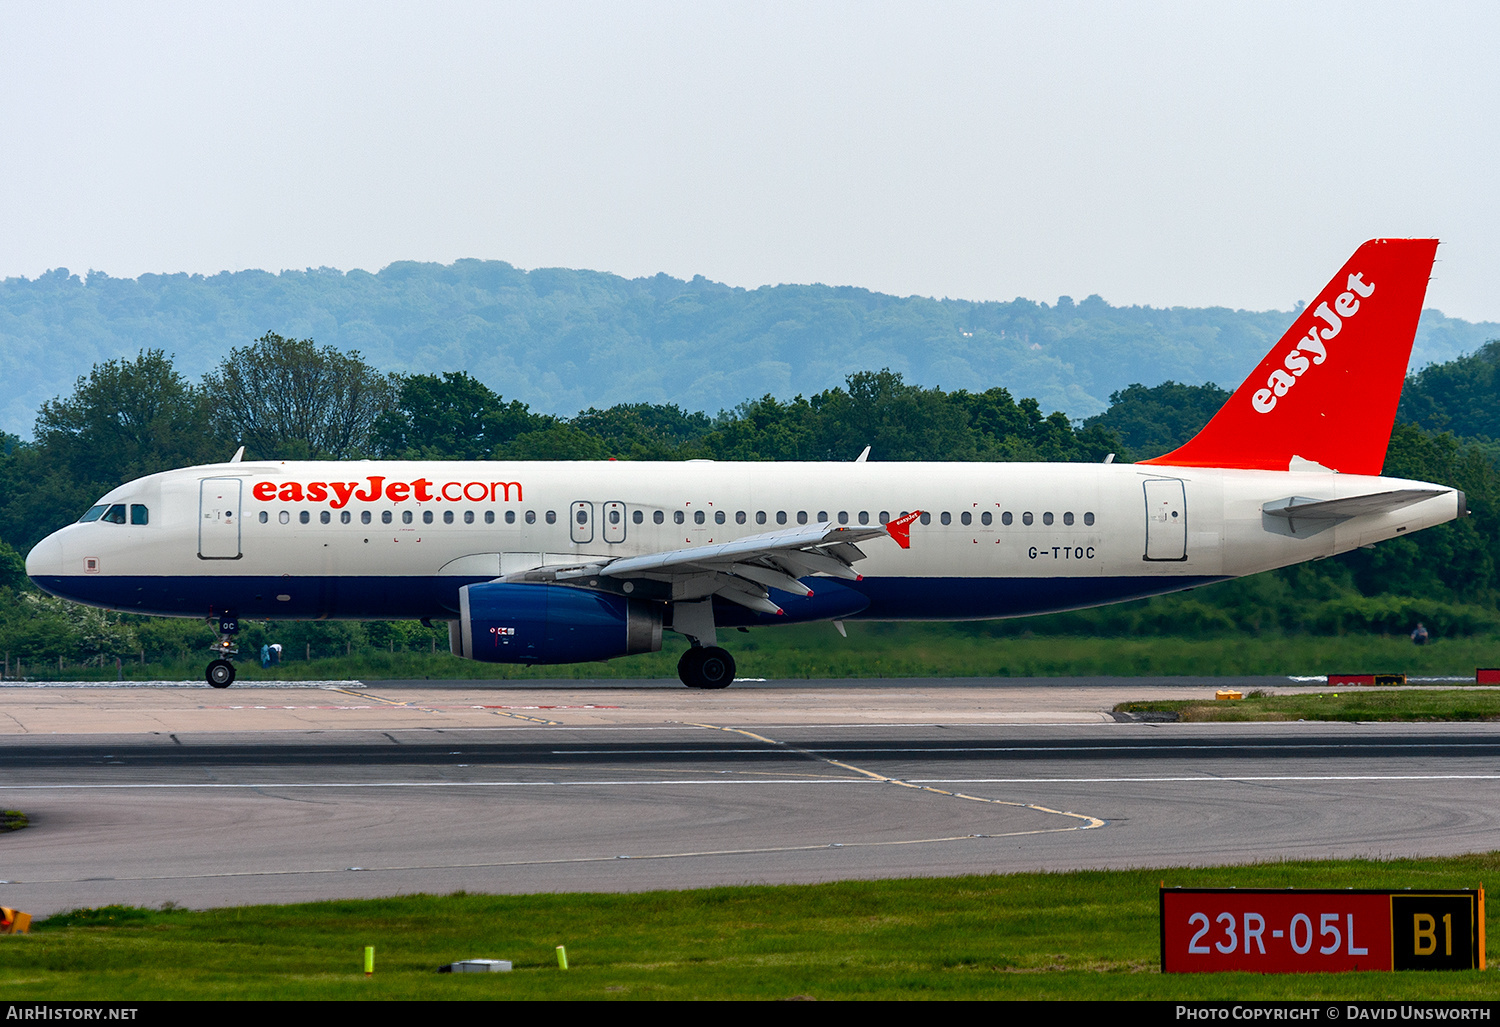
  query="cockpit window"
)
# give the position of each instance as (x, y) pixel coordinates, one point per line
(93, 513)
(139, 514)
(115, 514)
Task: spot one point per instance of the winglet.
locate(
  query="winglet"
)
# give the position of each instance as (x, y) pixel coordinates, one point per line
(900, 528)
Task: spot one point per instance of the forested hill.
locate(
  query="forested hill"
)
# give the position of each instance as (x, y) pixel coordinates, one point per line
(562, 340)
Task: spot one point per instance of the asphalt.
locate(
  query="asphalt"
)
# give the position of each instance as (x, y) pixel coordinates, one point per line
(179, 793)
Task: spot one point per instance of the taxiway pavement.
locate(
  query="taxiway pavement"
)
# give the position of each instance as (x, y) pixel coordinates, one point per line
(179, 793)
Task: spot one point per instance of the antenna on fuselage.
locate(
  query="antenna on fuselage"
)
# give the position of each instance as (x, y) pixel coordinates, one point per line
(863, 456)
(239, 454)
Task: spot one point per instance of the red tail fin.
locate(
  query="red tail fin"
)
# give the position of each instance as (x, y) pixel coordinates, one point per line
(1327, 392)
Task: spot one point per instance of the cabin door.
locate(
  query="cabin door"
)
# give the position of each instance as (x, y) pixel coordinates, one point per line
(219, 518)
(1166, 519)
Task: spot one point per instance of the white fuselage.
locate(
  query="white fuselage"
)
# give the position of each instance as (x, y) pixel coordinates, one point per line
(387, 539)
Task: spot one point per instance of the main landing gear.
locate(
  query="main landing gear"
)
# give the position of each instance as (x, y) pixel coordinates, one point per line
(220, 672)
(706, 667)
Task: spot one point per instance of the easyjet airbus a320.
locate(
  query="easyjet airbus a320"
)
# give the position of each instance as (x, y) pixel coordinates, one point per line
(565, 562)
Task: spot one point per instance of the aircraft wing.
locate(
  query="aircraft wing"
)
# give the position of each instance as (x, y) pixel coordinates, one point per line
(741, 571)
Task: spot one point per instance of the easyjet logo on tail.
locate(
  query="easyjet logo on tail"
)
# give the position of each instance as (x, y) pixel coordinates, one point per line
(337, 494)
(1315, 342)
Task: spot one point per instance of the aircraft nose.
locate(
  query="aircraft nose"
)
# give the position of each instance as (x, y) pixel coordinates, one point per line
(45, 559)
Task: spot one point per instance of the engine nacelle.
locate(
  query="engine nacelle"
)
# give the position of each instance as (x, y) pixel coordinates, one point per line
(501, 623)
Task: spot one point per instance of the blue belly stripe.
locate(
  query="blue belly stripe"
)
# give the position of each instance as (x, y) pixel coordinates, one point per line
(375, 597)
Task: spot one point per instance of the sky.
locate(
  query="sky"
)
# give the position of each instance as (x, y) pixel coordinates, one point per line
(1153, 153)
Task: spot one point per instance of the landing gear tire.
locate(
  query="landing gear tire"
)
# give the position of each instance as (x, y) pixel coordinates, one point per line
(706, 667)
(220, 674)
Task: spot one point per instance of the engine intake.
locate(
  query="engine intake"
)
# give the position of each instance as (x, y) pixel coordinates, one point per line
(503, 623)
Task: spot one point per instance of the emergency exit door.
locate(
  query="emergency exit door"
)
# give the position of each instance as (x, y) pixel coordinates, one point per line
(581, 522)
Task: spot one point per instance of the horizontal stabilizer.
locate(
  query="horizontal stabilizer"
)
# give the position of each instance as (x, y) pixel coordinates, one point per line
(1305, 517)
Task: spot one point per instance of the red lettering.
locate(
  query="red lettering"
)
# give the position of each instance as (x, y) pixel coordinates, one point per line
(373, 493)
(421, 487)
(505, 487)
(397, 491)
(446, 486)
(484, 492)
(343, 489)
(264, 490)
(291, 492)
(317, 491)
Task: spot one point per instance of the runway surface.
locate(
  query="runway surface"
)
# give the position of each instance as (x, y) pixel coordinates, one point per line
(145, 795)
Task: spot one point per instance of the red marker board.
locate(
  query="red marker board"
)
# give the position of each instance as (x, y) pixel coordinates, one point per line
(1285, 931)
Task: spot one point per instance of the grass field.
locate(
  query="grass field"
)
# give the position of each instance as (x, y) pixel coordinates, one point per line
(989, 649)
(1087, 935)
(1362, 704)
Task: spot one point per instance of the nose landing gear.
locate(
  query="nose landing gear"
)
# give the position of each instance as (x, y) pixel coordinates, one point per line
(220, 672)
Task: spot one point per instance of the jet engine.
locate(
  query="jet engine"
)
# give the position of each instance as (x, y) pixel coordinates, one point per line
(504, 623)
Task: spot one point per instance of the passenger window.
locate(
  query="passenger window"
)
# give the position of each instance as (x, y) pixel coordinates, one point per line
(658, 516)
(678, 516)
(966, 517)
(1088, 518)
(264, 517)
(1068, 517)
(510, 517)
(843, 516)
(93, 513)
(780, 516)
(304, 517)
(116, 514)
(760, 517)
(739, 517)
(345, 517)
(364, 517)
(447, 516)
(718, 516)
(1006, 518)
(946, 518)
(637, 516)
(822, 516)
(1026, 518)
(1047, 517)
(385, 517)
(325, 517)
(698, 517)
(489, 517)
(284, 517)
(468, 516)
(986, 517)
(885, 517)
(405, 516)
(926, 517)
(583, 517)
(801, 516)
(551, 516)
(139, 514)
(530, 516)
(864, 517)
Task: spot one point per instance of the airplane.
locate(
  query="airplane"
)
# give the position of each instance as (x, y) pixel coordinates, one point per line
(561, 562)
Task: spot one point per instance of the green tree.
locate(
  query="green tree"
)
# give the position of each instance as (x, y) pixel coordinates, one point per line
(288, 398)
(452, 416)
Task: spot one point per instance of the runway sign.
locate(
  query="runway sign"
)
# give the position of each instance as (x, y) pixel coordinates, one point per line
(1487, 676)
(1288, 931)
